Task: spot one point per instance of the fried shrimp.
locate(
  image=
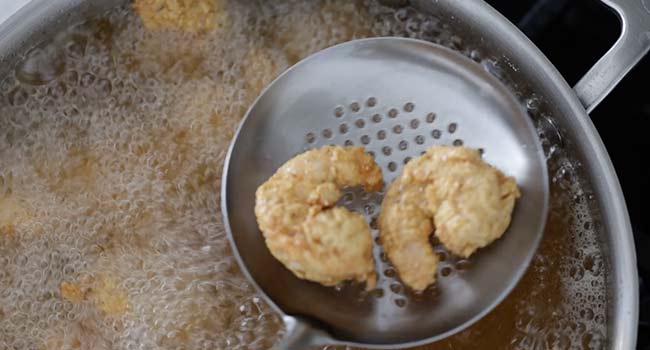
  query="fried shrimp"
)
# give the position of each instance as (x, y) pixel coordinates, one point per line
(451, 189)
(188, 15)
(302, 229)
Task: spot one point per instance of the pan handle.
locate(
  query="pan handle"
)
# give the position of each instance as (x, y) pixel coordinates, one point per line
(628, 50)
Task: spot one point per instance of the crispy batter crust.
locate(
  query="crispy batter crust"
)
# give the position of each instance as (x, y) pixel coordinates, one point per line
(303, 230)
(451, 189)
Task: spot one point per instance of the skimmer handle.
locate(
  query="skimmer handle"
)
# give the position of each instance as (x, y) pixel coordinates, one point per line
(301, 335)
(628, 50)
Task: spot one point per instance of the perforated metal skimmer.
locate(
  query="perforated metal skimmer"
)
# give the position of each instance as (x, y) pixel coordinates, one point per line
(395, 97)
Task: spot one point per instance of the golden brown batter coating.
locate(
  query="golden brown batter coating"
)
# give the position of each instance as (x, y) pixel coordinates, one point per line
(294, 211)
(186, 15)
(468, 202)
(106, 294)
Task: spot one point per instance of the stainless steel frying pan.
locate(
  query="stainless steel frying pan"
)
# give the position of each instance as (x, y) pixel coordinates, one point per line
(523, 66)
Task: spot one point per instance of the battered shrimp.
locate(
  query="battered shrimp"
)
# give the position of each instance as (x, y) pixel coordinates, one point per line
(450, 188)
(303, 230)
(188, 15)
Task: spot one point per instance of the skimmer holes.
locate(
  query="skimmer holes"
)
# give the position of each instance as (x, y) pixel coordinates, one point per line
(397, 121)
(445, 271)
(442, 255)
(338, 112)
(373, 224)
(396, 288)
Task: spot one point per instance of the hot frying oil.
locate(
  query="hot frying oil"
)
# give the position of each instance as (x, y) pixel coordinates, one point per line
(112, 138)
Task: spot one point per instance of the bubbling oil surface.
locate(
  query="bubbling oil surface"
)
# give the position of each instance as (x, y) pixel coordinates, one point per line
(112, 139)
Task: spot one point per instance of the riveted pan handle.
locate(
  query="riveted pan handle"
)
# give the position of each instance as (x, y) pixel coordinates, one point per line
(630, 47)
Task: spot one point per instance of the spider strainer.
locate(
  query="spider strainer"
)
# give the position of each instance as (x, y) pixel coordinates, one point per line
(395, 97)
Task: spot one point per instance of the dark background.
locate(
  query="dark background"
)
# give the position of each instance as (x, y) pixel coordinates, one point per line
(574, 34)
